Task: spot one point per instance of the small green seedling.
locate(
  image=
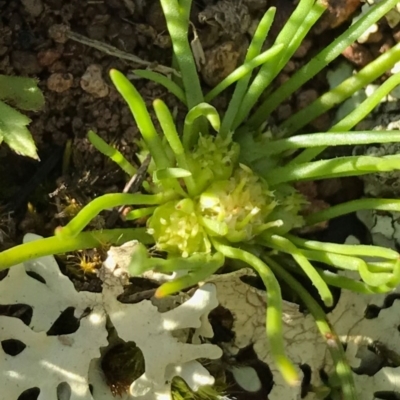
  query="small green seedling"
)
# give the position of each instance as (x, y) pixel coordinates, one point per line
(231, 195)
(24, 94)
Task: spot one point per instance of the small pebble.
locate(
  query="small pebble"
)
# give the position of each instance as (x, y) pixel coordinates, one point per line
(322, 123)
(396, 34)
(289, 67)
(58, 33)
(222, 59)
(93, 83)
(338, 12)
(374, 37)
(59, 82)
(155, 17)
(67, 12)
(33, 7)
(305, 98)
(303, 49)
(47, 57)
(284, 111)
(358, 54)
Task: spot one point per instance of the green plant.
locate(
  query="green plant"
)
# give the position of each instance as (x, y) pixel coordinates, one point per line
(24, 94)
(231, 195)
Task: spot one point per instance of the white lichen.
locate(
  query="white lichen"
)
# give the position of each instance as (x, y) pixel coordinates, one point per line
(68, 363)
(48, 361)
(165, 356)
(303, 343)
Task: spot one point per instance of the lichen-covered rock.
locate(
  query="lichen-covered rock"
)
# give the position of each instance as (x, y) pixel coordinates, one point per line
(303, 343)
(165, 356)
(93, 83)
(48, 361)
(34, 355)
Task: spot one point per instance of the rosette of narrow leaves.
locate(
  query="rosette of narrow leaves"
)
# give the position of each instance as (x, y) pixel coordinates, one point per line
(228, 193)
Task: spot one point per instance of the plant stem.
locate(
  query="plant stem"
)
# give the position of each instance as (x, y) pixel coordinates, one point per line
(274, 326)
(112, 153)
(378, 278)
(108, 201)
(192, 276)
(346, 249)
(84, 240)
(335, 347)
(320, 61)
(254, 50)
(342, 92)
(353, 206)
(341, 281)
(334, 168)
(169, 84)
(142, 118)
(243, 71)
(340, 261)
(171, 134)
(177, 17)
(329, 138)
(352, 119)
(139, 213)
(300, 22)
(190, 133)
(282, 244)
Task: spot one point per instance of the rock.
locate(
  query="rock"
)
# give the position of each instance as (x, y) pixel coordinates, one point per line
(221, 60)
(59, 82)
(338, 12)
(48, 57)
(33, 7)
(284, 111)
(305, 98)
(58, 32)
(358, 54)
(233, 18)
(93, 83)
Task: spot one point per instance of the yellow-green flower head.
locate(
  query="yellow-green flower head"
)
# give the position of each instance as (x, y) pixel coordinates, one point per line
(237, 208)
(289, 206)
(176, 229)
(214, 158)
(219, 154)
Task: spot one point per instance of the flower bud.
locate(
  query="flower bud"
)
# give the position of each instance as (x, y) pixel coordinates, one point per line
(176, 229)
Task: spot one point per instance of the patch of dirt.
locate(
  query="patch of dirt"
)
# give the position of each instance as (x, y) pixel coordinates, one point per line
(79, 96)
